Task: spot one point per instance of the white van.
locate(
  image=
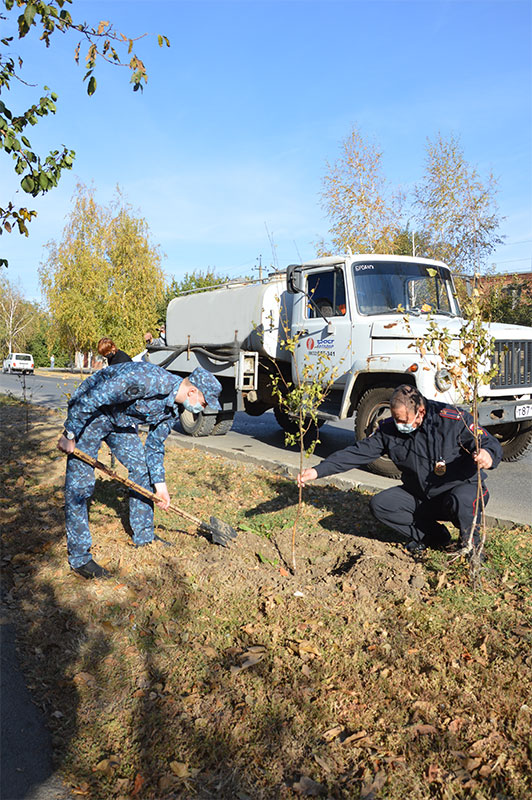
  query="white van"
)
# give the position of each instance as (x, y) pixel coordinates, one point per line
(18, 362)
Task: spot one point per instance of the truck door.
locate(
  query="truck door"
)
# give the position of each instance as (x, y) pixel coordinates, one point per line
(322, 321)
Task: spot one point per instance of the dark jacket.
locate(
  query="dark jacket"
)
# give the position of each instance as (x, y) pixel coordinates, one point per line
(118, 358)
(444, 435)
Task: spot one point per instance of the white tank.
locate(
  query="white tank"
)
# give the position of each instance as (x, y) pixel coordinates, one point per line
(249, 313)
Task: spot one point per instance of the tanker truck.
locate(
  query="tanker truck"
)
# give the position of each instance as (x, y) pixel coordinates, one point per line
(365, 312)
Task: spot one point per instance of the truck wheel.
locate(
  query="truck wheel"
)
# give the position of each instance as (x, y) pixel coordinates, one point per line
(224, 423)
(515, 439)
(196, 424)
(373, 407)
(290, 424)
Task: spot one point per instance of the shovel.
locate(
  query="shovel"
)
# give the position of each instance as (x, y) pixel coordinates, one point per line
(216, 531)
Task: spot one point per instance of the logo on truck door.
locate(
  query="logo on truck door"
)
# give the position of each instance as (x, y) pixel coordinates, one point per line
(321, 344)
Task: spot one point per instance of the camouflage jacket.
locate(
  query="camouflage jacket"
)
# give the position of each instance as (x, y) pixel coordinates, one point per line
(130, 393)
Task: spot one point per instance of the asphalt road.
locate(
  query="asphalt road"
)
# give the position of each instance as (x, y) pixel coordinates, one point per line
(260, 439)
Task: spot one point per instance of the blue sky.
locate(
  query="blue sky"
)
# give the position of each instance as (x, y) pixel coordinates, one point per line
(225, 150)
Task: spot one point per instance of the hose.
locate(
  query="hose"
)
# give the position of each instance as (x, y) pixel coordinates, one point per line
(227, 352)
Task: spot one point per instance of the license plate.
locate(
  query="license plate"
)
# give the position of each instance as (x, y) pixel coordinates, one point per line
(523, 412)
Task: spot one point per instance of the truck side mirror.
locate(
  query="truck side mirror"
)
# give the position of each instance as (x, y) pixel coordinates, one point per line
(293, 277)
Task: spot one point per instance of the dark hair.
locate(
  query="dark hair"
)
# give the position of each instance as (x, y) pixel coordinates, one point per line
(106, 346)
(407, 396)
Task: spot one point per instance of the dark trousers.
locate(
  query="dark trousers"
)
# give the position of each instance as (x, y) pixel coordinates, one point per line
(416, 519)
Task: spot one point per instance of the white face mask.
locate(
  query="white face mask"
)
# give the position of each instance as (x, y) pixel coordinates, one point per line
(405, 427)
(196, 408)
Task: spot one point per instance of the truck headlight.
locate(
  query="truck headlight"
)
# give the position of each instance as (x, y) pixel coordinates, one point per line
(442, 379)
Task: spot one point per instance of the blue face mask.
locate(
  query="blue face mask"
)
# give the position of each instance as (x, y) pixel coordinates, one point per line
(405, 427)
(195, 409)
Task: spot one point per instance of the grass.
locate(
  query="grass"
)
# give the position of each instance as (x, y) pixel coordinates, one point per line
(210, 673)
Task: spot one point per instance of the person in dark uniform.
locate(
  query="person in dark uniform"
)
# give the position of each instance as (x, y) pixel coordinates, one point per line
(433, 446)
(108, 406)
(108, 349)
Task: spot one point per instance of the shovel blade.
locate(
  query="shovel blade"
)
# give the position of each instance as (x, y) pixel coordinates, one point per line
(218, 531)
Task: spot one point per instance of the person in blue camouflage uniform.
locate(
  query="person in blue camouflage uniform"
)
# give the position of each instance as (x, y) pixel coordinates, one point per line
(434, 448)
(108, 406)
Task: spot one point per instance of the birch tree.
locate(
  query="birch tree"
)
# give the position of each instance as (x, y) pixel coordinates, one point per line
(104, 278)
(364, 213)
(17, 316)
(135, 279)
(457, 207)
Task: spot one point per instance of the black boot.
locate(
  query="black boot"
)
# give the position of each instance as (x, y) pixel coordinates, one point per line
(439, 538)
(91, 570)
(415, 548)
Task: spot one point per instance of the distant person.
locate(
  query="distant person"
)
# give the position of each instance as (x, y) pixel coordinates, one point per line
(52, 361)
(108, 407)
(108, 349)
(160, 341)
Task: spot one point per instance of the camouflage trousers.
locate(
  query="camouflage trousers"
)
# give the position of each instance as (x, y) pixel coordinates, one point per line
(80, 479)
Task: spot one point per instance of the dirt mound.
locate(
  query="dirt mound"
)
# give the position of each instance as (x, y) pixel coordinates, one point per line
(368, 569)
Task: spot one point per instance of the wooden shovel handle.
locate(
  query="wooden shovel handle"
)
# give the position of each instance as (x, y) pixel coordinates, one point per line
(131, 484)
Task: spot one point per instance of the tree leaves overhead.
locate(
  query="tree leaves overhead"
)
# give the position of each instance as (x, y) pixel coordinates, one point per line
(40, 173)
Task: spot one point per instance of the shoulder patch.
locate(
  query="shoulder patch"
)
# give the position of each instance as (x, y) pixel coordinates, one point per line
(450, 413)
(479, 431)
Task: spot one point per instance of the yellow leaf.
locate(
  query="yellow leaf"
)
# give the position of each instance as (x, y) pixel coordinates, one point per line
(355, 737)
(180, 769)
(332, 733)
(107, 765)
(308, 647)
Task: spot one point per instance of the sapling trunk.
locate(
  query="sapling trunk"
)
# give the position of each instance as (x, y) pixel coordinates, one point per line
(311, 386)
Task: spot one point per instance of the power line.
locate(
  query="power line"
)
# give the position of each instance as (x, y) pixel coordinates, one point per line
(512, 261)
(509, 244)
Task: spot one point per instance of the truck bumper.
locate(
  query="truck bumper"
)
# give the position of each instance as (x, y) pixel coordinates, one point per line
(499, 412)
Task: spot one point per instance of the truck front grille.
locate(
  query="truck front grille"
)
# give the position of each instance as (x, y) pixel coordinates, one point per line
(514, 365)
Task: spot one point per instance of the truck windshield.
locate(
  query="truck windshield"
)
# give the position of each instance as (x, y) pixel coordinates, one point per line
(385, 287)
